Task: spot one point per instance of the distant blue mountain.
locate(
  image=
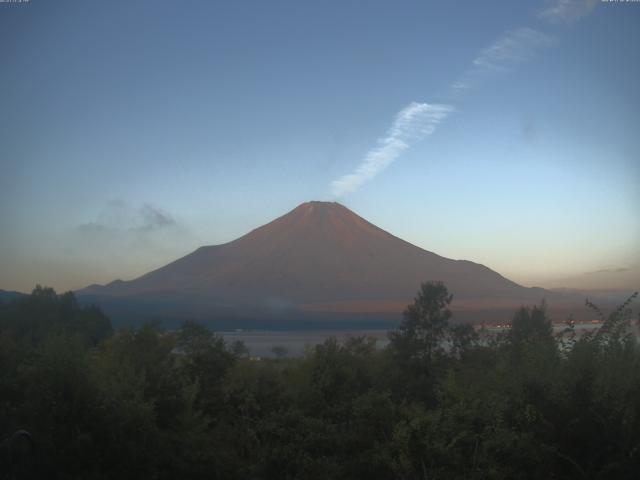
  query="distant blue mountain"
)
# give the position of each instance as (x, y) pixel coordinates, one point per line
(7, 296)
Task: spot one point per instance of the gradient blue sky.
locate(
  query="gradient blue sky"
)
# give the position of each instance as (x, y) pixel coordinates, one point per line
(132, 132)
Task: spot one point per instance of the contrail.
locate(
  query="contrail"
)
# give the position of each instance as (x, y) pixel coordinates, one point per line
(414, 122)
(419, 120)
(514, 47)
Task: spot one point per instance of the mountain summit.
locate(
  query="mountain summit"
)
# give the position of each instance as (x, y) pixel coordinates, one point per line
(320, 258)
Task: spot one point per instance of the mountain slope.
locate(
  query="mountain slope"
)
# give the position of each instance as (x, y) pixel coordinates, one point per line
(320, 257)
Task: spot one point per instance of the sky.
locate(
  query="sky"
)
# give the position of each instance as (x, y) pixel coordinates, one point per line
(506, 133)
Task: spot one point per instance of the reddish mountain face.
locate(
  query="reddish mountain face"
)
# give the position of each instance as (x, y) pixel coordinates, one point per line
(320, 257)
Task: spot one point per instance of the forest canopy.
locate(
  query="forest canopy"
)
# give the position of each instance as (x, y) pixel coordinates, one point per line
(439, 401)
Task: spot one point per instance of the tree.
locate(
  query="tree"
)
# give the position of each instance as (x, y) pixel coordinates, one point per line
(531, 325)
(204, 360)
(425, 324)
(416, 346)
(463, 337)
(32, 318)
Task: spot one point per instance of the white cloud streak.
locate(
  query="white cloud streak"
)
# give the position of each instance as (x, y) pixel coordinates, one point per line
(567, 11)
(419, 120)
(514, 47)
(411, 124)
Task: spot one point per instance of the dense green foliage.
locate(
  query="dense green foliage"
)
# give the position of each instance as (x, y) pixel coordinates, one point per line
(438, 402)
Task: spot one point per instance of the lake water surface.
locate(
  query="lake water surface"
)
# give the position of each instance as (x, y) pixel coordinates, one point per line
(262, 342)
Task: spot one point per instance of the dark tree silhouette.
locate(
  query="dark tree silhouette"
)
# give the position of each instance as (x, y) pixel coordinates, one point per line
(425, 323)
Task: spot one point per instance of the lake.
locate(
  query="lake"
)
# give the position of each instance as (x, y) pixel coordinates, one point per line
(261, 342)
